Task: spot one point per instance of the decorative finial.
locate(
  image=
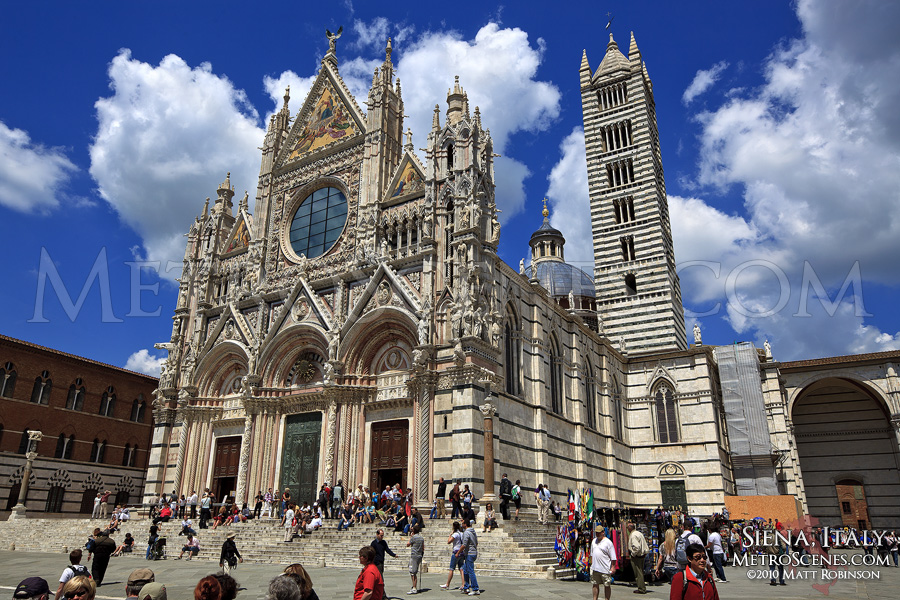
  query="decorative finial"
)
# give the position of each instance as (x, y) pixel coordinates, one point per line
(388, 49)
(545, 212)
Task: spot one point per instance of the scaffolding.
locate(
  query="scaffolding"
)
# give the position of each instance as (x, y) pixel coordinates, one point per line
(752, 458)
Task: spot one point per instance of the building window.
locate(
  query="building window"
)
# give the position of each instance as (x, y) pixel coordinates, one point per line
(630, 284)
(8, 377)
(98, 450)
(55, 499)
(845, 506)
(108, 402)
(132, 460)
(666, 416)
(590, 397)
(449, 158)
(75, 399)
(23, 443)
(126, 455)
(137, 409)
(40, 394)
(627, 247)
(318, 222)
(556, 381)
(512, 354)
(617, 429)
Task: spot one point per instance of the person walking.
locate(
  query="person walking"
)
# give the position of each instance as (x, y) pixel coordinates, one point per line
(505, 496)
(714, 543)
(229, 557)
(694, 581)
(370, 583)
(603, 557)
(337, 498)
(455, 541)
(637, 550)
(667, 564)
(542, 494)
(257, 509)
(455, 497)
(74, 569)
(440, 496)
(517, 497)
(287, 521)
(381, 548)
(416, 545)
(104, 546)
(469, 551)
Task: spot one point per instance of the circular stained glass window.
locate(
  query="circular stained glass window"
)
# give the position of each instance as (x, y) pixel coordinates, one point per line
(318, 222)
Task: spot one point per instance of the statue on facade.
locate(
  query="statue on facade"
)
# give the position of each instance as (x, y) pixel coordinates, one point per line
(521, 266)
(768, 348)
(423, 329)
(328, 373)
(697, 337)
(571, 300)
(333, 38)
(334, 342)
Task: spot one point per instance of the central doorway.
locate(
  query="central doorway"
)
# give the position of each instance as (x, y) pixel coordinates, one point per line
(225, 468)
(300, 458)
(390, 454)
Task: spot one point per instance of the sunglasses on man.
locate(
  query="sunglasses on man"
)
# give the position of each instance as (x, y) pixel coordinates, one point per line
(699, 557)
(76, 594)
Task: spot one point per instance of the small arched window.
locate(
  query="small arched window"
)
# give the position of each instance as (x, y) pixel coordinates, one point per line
(556, 378)
(133, 458)
(666, 416)
(126, 455)
(590, 397)
(630, 284)
(98, 450)
(40, 393)
(23, 443)
(8, 376)
(75, 399)
(55, 499)
(512, 354)
(616, 413)
(141, 409)
(108, 402)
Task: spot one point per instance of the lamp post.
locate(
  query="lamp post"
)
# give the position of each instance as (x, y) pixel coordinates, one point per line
(18, 511)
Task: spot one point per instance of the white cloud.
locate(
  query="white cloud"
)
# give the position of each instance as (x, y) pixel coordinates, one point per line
(703, 80)
(570, 205)
(165, 139)
(374, 34)
(32, 176)
(143, 362)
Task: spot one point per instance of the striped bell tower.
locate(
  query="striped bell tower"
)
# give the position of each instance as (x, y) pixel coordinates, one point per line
(638, 293)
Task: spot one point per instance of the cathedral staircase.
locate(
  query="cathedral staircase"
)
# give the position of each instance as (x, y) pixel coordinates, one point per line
(523, 549)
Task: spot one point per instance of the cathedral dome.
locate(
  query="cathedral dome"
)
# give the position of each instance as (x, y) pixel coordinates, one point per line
(560, 278)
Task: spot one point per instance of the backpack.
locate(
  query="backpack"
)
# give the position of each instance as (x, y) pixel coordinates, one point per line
(681, 550)
(515, 492)
(80, 570)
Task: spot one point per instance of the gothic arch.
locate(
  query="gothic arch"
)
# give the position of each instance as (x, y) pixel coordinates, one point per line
(282, 353)
(219, 365)
(845, 375)
(369, 335)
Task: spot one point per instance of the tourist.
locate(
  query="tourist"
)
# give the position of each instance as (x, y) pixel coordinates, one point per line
(637, 550)
(104, 504)
(152, 591)
(667, 564)
(283, 587)
(267, 504)
(505, 497)
(288, 522)
(137, 580)
(468, 550)
(347, 518)
(337, 499)
(151, 541)
(95, 514)
(894, 545)
(455, 500)
(32, 588)
(303, 580)
(381, 548)
(694, 581)
(490, 518)
(517, 497)
(104, 546)
(165, 513)
(228, 584)
(416, 545)
(187, 527)
(207, 588)
(182, 505)
(74, 569)
(229, 557)
(205, 510)
(542, 495)
(79, 587)
(603, 557)
(456, 562)
(191, 546)
(126, 546)
(192, 502)
(714, 543)
(440, 496)
(685, 539)
(370, 583)
(285, 499)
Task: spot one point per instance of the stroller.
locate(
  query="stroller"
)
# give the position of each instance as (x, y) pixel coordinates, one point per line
(159, 549)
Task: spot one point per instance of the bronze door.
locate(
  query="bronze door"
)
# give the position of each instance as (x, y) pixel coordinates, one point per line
(673, 495)
(390, 454)
(300, 457)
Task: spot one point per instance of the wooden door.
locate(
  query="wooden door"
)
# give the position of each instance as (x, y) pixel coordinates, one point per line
(673, 495)
(300, 457)
(225, 467)
(390, 451)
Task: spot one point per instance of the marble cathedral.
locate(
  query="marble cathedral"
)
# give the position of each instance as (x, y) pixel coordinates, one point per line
(358, 325)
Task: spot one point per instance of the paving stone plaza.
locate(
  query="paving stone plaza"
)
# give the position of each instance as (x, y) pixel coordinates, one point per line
(180, 577)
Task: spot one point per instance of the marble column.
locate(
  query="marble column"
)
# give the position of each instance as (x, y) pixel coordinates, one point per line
(243, 464)
(18, 511)
(488, 410)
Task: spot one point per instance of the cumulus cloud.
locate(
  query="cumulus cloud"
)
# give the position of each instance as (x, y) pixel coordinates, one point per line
(144, 362)
(32, 176)
(570, 205)
(166, 138)
(703, 80)
(815, 153)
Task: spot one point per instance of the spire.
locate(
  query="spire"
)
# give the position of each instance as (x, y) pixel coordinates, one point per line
(614, 60)
(225, 194)
(545, 212)
(584, 61)
(287, 98)
(584, 72)
(387, 67)
(633, 52)
(478, 118)
(205, 212)
(546, 242)
(456, 100)
(436, 119)
(387, 51)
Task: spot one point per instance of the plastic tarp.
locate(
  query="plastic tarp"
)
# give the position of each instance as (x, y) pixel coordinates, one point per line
(745, 420)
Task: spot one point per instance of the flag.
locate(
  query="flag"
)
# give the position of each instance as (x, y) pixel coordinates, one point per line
(571, 506)
(589, 512)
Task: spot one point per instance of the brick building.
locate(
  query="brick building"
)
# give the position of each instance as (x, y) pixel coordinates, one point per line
(97, 425)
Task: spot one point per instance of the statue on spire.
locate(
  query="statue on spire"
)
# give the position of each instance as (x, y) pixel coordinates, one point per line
(333, 38)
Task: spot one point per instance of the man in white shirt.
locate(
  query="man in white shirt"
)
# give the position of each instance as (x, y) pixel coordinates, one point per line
(287, 523)
(603, 557)
(192, 502)
(714, 543)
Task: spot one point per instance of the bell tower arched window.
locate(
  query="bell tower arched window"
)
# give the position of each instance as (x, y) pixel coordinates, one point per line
(666, 416)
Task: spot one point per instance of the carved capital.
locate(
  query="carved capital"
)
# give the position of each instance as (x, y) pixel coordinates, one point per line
(488, 410)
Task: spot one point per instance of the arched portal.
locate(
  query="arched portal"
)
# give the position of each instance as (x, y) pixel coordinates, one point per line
(843, 434)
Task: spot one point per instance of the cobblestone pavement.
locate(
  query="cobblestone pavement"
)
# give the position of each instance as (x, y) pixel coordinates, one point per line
(180, 578)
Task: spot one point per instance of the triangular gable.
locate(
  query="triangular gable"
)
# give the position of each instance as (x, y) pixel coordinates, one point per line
(329, 117)
(241, 234)
(231, 325)
(660, 373)
(301, 306)
(400, 295)
(408, 180)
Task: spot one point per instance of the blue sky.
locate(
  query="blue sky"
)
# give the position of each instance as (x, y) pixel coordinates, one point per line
(778, 124)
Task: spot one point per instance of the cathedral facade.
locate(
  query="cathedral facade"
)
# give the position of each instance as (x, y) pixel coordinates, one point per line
(358, 325)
